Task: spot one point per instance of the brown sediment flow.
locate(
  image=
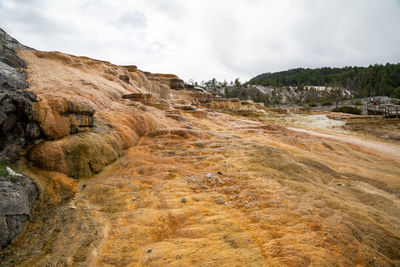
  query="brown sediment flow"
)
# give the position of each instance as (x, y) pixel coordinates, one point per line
(209, 187)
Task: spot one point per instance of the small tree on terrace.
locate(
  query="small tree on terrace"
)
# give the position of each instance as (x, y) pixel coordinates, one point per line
(237, 83)
(337, 95)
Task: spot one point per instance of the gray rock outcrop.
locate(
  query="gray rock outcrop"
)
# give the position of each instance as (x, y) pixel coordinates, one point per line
(17, 194)
(16, 128)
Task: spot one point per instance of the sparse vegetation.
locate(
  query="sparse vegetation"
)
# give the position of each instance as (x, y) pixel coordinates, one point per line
(312, 104)
(395, 101)
(3, 166)
(326, 103)
(348, 109)
(3, 171)
(356, 102)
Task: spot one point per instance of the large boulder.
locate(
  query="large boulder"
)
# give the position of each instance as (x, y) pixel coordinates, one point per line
(78, 155)
(18, 194)
(11, 78)
(177, 84)
(61, 117)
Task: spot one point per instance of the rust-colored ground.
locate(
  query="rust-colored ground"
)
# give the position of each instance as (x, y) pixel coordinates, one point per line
(220, 190)
(376, 127)
(283, 198)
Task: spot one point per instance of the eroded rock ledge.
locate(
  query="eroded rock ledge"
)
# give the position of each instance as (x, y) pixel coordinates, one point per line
(85, 119)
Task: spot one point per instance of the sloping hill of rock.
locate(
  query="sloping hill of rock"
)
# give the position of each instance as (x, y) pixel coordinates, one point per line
(86, 123)
(136, 171)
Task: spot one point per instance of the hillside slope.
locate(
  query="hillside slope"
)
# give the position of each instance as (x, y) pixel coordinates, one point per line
(362, 82)
(134, 172)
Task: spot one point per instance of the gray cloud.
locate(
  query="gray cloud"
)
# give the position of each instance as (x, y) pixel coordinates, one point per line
(133, 19)
(211, 38)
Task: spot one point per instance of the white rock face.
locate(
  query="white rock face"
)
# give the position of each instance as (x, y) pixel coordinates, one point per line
(13, 173)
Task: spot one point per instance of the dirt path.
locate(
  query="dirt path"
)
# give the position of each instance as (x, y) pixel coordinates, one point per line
(379, 147)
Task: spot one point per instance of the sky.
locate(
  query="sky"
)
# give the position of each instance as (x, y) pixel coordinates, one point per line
(206, 39)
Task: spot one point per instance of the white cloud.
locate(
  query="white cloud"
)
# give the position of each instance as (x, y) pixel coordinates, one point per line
(211, 38)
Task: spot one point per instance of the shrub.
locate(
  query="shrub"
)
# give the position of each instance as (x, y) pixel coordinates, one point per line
(356, 102)
(312, 104)
(395, 101)
(326, 103)
(304, 108)
(348, 109)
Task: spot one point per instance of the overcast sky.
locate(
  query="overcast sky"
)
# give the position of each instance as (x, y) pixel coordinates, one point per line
(202, 39)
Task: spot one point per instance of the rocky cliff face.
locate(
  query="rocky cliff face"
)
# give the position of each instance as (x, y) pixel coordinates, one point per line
(291, 95)
(280, 95)
(17, 128)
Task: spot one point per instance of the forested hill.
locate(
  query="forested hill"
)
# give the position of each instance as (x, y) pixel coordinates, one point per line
(362, 81)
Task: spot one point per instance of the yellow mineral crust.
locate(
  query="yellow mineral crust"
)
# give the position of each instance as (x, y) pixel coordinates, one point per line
(84, 119)
(219, 185)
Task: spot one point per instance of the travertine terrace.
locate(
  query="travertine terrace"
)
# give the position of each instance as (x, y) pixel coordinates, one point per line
(188, 179)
